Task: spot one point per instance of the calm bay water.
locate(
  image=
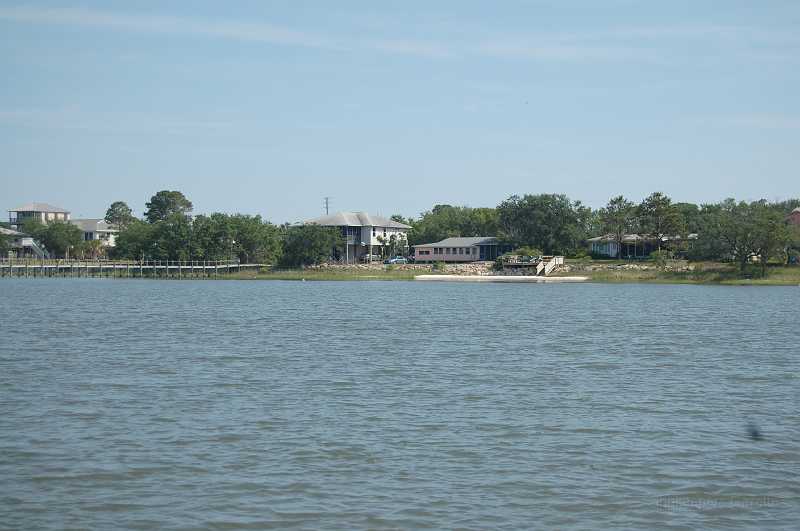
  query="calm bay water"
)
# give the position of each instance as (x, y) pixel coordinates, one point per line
(347, 405)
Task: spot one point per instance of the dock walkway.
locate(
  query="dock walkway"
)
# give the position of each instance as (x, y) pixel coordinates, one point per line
(33, 268)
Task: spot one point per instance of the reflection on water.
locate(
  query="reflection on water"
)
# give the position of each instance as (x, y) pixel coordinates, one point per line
(368, 405)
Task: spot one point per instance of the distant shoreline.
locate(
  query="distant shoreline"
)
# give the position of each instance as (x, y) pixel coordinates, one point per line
(499, 278)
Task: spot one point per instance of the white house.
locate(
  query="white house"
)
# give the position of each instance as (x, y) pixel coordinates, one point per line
(364, 233)
(41, 212)
(97, 229)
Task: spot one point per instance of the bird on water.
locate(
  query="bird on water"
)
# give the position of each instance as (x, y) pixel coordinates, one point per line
(754, 432)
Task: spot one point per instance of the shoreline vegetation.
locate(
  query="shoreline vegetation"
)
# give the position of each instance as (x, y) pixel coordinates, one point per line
(729, 242)
(710, 273)
(573, 270)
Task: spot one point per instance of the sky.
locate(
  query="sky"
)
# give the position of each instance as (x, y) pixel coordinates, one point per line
(266, 107)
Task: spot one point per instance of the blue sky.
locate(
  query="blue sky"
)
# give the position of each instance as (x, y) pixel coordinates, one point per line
(391, 107)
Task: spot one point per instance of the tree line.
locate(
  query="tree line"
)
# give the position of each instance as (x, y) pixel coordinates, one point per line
(555, 224)
(549, 223)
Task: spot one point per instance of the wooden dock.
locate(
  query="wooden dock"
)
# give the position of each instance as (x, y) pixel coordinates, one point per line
(35, 268)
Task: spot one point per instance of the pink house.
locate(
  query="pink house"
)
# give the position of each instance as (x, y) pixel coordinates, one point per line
(472, 249)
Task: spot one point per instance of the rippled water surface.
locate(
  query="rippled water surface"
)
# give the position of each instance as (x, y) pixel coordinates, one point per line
(234, 404)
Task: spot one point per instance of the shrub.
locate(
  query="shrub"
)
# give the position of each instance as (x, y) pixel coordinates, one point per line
(661, 257)
(527, 251)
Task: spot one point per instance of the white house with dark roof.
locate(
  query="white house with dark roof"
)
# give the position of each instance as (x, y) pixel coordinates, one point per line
(97, 229)
(468, 249)
(362, 232)
(41, 212)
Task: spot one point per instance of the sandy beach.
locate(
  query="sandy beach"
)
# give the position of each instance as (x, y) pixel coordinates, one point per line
(498, 278)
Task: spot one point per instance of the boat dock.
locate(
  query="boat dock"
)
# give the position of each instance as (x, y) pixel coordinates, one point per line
(34, 268)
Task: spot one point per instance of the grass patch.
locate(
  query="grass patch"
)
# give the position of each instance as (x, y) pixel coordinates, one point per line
(329, 274)
(704, 273)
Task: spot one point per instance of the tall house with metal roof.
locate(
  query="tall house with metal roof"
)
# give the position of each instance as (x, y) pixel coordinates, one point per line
(363, 232)
(41, 212)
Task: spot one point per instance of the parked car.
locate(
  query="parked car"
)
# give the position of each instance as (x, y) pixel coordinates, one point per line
(396, 260)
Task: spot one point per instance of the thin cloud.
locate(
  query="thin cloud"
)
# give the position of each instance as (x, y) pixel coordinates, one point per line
(256, 32)
(620, 44)
(73, 118)
(765, 121)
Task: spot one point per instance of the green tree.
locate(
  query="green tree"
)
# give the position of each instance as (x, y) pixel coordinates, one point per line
(135, 241)
(659, 217)
(172, 238)
(166, 203)
(773, 236)
(119, 215)
(444, 221)
(256, 240)
(305, 245)
(57, 236)
(618, 219)
(549, 222)
(5, 244)
(91, 249)
(690, 217)
(748, 230)
(787, 205)
(709, 245)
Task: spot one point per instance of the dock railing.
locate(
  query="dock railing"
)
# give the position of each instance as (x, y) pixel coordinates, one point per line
(43, 267)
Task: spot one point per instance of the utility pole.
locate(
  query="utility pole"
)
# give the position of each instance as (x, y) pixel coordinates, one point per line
(327, 204)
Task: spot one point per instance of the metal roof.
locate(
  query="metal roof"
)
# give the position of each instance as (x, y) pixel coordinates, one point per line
(93, 225)
(9, 232)
(633, 238)
(39, 207)
(355, 219)
(462, 242)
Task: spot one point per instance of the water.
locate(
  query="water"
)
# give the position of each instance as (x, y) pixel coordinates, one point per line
(226, 405)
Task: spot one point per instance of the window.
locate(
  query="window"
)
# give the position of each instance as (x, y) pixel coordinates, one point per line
(460, 250)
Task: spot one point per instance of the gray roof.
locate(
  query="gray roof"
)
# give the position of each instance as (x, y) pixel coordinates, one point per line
(39, 207)
(632, 238)
(796, 209)
(462, 242)
(93, 225)
(9, 232)
(355, 219)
